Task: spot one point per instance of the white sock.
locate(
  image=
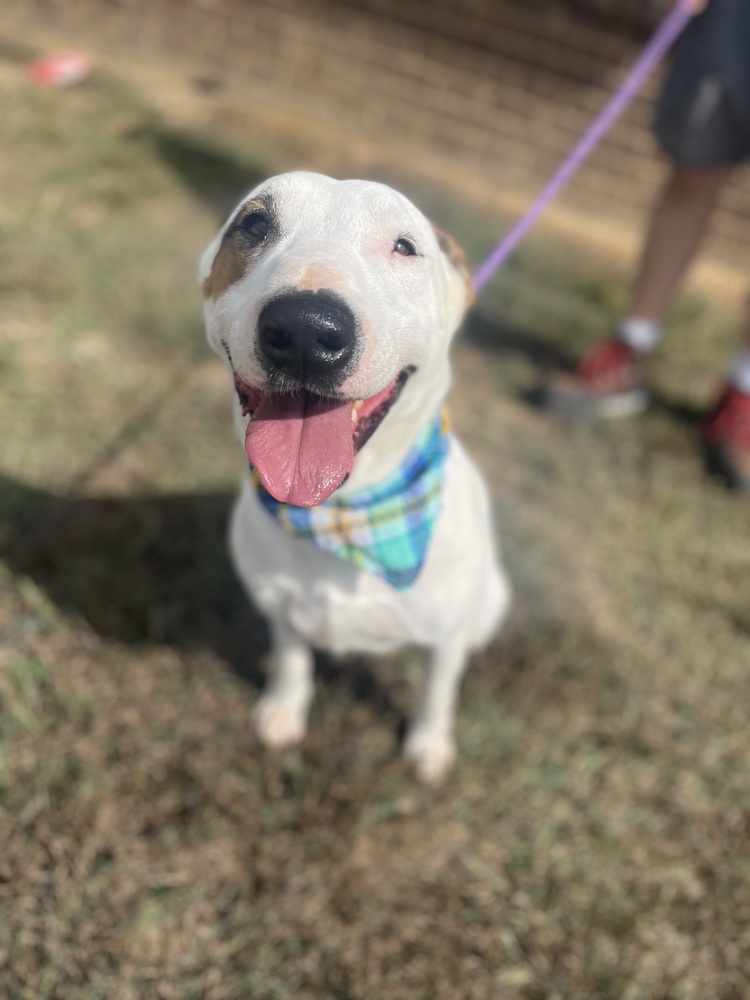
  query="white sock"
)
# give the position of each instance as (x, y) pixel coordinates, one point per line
(639, 333)
(739, 373)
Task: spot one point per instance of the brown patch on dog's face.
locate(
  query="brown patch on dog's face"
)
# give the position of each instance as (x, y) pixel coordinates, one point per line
(251, 230)
(457, 258)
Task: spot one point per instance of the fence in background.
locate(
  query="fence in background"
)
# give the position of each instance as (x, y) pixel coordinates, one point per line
(496, 88)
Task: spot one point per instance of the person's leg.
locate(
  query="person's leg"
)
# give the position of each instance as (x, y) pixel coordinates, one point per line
(679, 222)
(608, 381)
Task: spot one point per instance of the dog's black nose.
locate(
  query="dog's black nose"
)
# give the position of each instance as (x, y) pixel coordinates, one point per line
(308, 335)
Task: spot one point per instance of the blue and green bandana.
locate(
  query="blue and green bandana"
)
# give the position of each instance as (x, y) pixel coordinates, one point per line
(386, 529)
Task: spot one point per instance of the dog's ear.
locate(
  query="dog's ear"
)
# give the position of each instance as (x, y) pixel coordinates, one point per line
(457, 259)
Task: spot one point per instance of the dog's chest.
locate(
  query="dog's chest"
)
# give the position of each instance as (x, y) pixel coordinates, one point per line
(333, 619)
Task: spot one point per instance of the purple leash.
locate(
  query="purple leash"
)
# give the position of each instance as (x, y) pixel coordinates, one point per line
(662, 40)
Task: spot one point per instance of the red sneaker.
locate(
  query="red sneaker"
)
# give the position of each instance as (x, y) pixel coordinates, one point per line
(727, 437)
(608, 382)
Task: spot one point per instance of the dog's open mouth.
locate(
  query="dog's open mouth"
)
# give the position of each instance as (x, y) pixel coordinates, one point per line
(303, 444)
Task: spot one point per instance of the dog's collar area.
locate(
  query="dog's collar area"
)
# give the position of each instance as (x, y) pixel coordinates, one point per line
(385, 530)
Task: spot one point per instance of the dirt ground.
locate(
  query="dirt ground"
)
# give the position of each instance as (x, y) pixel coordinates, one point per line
(592, 842)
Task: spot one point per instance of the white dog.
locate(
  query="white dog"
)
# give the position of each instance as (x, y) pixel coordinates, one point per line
(363, 526)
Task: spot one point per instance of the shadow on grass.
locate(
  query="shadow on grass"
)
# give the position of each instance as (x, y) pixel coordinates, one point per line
(139, 570)
(151, 570)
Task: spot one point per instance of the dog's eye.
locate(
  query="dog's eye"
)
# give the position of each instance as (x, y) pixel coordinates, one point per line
(256, 225)
(404, 247)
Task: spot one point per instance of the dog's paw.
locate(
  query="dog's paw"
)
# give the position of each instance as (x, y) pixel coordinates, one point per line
(431, 754)
(279, 724)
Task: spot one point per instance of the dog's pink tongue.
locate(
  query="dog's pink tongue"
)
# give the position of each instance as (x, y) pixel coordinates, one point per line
(301, 446)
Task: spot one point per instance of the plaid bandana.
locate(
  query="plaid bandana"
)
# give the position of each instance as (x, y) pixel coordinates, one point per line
(386, 529)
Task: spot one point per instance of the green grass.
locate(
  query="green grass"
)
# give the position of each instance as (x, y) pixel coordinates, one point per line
(592, 842)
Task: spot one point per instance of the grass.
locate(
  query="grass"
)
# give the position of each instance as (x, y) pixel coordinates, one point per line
(592, 843)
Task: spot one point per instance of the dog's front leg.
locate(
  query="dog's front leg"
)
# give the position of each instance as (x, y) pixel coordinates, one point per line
(280, 717)
(429, 743)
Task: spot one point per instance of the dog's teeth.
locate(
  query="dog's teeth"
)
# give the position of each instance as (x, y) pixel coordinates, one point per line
(354, 414)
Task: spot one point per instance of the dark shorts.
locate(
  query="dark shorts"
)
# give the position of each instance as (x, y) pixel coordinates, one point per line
(703, 114)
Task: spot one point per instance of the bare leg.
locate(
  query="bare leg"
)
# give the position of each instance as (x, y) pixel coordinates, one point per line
(280, 717)
(746, 327)
(679, 222)
(429, 743)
